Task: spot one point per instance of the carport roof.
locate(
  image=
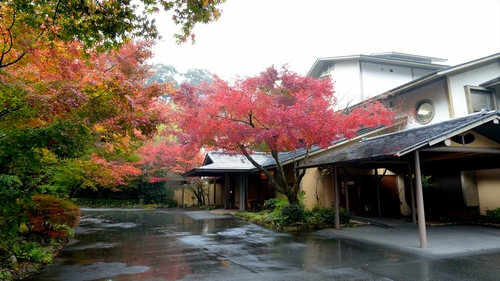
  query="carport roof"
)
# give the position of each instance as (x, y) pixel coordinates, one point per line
(395, 145)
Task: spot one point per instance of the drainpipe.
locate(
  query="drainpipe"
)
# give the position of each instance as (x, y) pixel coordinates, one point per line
(420, 203)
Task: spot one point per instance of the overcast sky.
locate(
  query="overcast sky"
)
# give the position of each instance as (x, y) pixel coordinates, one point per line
(252, 35)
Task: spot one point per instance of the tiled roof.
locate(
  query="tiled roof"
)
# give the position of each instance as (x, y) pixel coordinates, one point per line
(219, 162)
(391, 145)
(399, 143)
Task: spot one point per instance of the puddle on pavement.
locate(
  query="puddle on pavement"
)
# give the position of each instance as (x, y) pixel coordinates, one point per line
(120, 225)
(98, 245)
(148, 245)
(93, 271)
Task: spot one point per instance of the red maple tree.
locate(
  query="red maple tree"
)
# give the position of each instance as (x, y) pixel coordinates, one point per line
(84, 114)
(163, 158)
(276, 111)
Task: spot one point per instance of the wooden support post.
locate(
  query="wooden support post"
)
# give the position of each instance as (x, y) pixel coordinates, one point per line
(346, 190)
(420, 204)
(336, 197)
(227, 203)
(378, 193)
(215, 192)
(243, 192)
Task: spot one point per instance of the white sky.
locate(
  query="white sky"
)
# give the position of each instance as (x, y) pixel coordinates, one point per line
(252, 35)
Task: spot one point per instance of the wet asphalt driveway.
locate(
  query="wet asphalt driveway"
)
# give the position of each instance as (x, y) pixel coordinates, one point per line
(176, 245)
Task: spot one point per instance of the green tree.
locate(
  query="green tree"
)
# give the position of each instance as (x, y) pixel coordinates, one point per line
(98, 24)
(164, 74)
(198, 76)
(168, 74)
(73, 121)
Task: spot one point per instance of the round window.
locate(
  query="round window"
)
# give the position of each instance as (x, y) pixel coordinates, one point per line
(424, 112)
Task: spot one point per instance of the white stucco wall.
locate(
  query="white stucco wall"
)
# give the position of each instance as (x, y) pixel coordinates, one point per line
(405, 207)
(378, 78)
(347, 83)
(488, 183)
(312, 182)
(472, 78)
(435, 92)
(418, 72)
(356, 81)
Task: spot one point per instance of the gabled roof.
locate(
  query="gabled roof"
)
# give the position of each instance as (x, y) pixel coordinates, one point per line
(219, 163)
(491, 83)
(397, 144)
(408, 57)
(391, 58)
(451, 70)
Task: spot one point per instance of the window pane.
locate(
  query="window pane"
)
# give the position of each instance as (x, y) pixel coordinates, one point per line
(481, 99)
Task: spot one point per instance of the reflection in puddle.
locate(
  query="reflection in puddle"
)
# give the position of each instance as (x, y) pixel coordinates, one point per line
(232, 232)
(120, 225)
(99, 245)
(88, 220)
(93, 271)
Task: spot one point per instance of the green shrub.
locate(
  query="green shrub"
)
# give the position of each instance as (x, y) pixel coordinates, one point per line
(5, 274)
(169, 197)
(275, 204)
(292, 213)
(492, 216)
(30, 251)
(52, 216)
(345, 216)
(270, 204)
(327, 214)
(12, 200)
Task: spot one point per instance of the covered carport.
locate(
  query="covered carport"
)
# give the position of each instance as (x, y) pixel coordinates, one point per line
(467, 143)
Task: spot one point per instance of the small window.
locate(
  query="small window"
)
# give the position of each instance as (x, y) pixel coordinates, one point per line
(424, 112)
(479, 98)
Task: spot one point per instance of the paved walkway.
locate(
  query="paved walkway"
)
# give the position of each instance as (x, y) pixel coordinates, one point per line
(224, 211)
(166, 244)
(442, 240)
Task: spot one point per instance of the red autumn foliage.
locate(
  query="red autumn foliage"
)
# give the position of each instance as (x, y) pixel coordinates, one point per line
(51, 216)
(162, 158)
(273, 112)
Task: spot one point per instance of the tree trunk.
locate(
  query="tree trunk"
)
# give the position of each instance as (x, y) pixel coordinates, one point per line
(279, 184)
(74, 189)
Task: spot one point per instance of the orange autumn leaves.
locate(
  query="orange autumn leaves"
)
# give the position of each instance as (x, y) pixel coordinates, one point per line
(93, 103)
